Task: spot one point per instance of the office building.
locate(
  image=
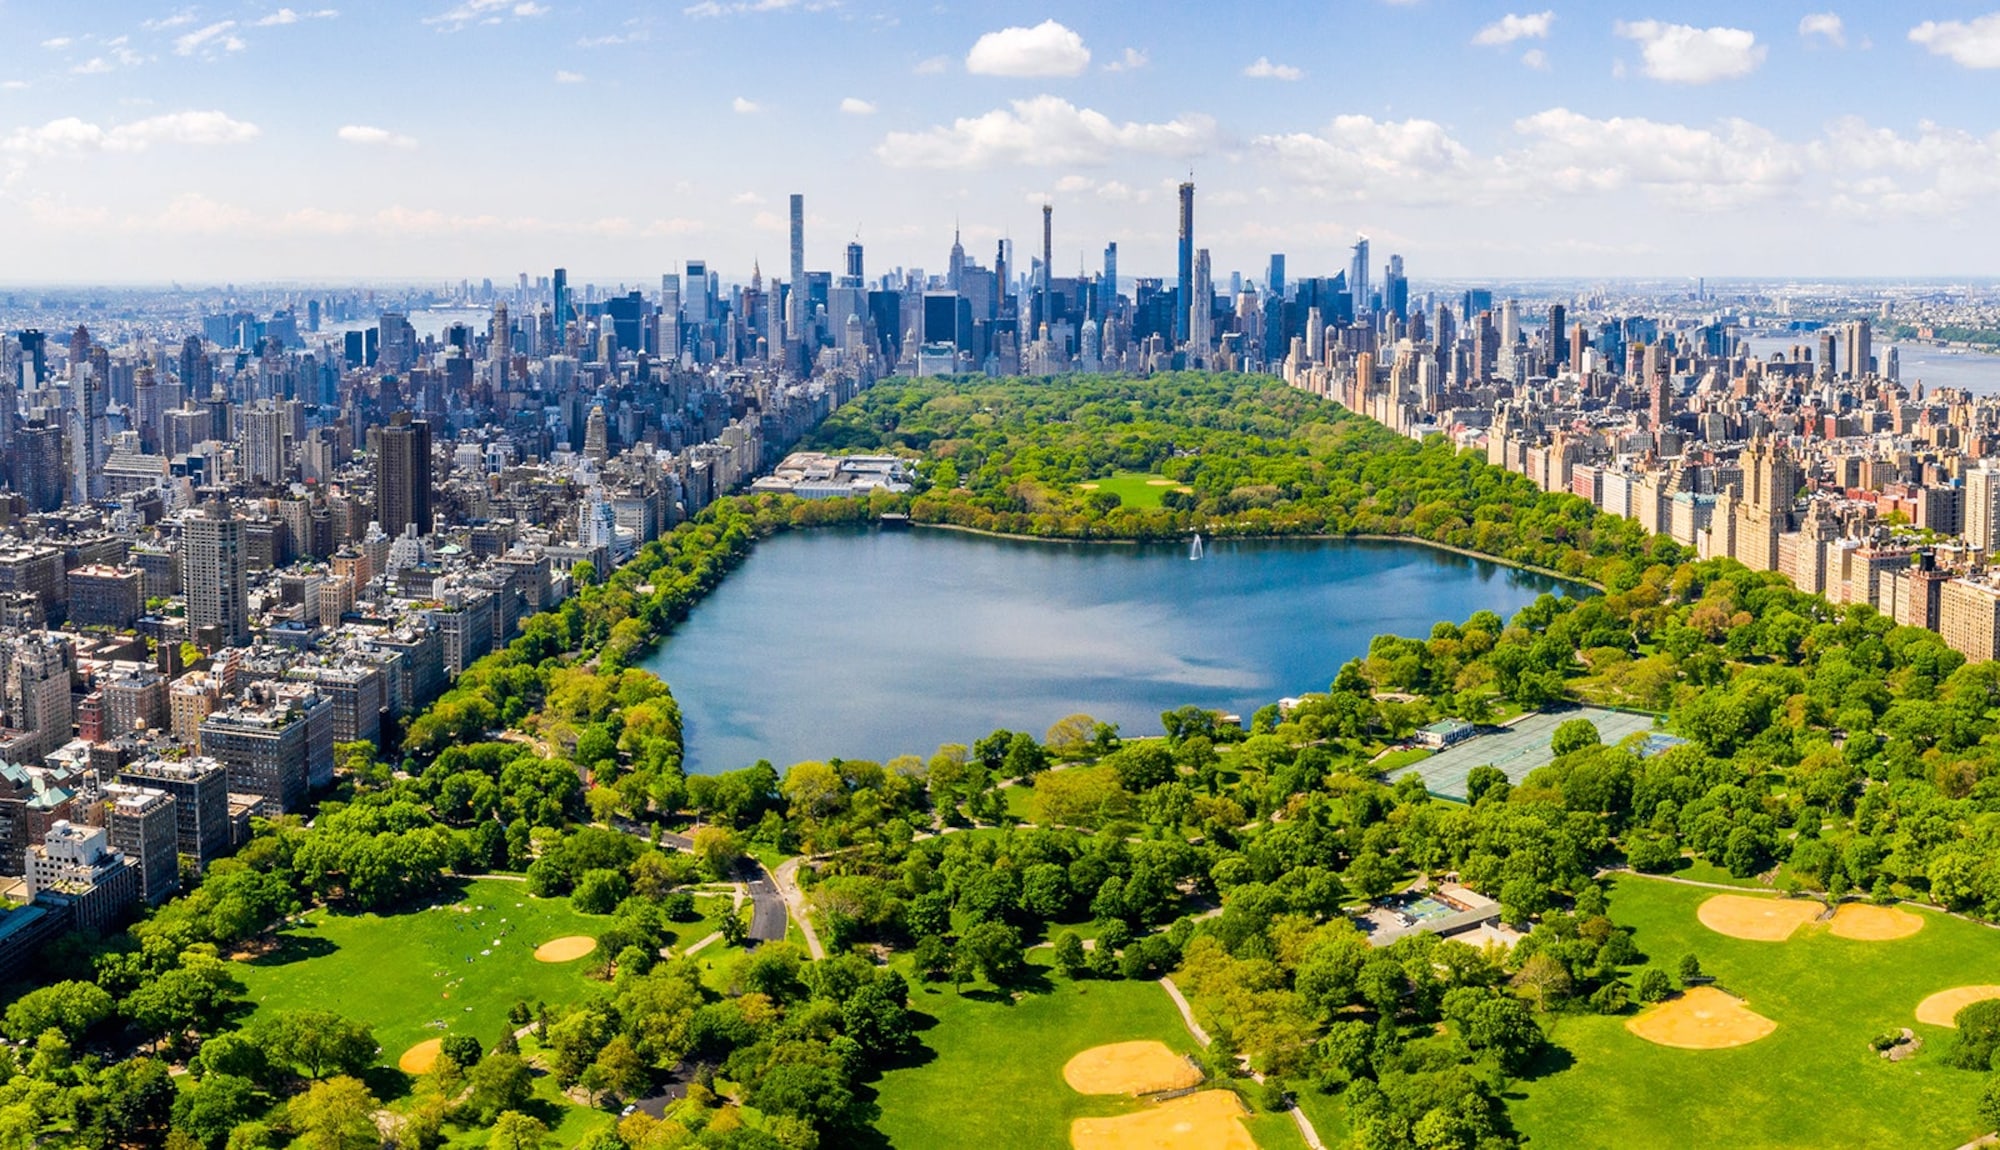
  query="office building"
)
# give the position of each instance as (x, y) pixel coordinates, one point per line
(402, 454)
(75, 868)
(1186, 257)
(140, 823)
(200, 790)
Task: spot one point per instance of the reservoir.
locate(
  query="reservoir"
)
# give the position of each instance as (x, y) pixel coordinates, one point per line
(865, 644)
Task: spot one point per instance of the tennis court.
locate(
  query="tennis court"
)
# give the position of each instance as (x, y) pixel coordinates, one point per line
(1517, 749)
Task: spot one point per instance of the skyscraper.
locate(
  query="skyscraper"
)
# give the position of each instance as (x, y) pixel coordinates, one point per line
(1048, 256)
(1559, 333)
(563, 312)
(402, 453)
(86, 433)
(212, 570)
(795, 310)
(1357, 278)
(1186, 281)
(1201, 311)
(264, 427)
(1107, 292)
(1274, 278)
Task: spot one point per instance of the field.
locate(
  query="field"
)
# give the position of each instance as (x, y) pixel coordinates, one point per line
(1519, 749)
(406, 973)
(991, 1056)
(1813, 1082)
(1133, 488)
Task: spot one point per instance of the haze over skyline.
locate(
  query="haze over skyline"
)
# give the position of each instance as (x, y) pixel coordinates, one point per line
(485, 137)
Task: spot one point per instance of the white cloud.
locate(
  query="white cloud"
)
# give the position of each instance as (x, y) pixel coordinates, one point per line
(1968, 43)
(1685, 166)
(179, 19)
(210, 41)
(1131, 61)
(1044, 131)
(372, 137)
(1263, 69)
(57, 43)
(95, 66)
(751, 198)
(934, 66)
(1510, 28)
(635, 36)
(71, 135)
(289, 16)
(469, 12)
(711, 9)
(743, 107)
(1047, 49)
(1826, 26)
(1935, 170)
(1536, 58)
(14, 85)
(1683, 54)
(1359, 157)
(854, 106)
(563, 77)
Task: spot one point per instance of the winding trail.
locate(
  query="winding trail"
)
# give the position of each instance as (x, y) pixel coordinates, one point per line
(1299, 1118)
(786, 880)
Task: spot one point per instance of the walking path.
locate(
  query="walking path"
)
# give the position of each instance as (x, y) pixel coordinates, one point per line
(1304, 1124)
(786, 880)
(690, 951)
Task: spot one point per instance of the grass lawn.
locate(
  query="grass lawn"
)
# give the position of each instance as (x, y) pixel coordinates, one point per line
(1814, 1082)
(1397, 760)
(991, 1075)
(401, 973)
(1133, 488)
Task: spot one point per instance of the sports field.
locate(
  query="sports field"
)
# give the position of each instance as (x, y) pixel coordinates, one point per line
(1812, 1080)
(452, 966)
(1003, 1059)
(1517, 749)
(1133, 488)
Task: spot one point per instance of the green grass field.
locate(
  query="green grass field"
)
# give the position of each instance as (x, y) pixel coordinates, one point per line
(1133, 488)
(404, 973)
(996, 1076)
(1814, 1082)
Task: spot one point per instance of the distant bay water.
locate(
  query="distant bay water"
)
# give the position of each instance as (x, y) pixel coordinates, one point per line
(1975, 371)
(861, 643)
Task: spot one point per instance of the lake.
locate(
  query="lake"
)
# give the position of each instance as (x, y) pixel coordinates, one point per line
(859, 643)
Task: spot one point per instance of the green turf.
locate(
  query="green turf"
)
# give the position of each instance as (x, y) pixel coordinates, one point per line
(1814, 1082)
(996, 1076)
(1134, 488)
(1397, 760)
(402, 973)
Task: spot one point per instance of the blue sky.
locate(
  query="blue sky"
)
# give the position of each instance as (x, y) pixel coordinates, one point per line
(452, 138)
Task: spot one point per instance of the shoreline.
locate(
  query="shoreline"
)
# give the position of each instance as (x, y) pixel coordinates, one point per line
(1463, 552)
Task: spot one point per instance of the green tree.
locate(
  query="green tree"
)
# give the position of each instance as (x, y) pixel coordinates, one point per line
(213, 1106)
(1574, 735)
(338, 1114)
(514, 1130)
(1069, 954)
(316, 1043)
(70, 1007)
(500, 1082)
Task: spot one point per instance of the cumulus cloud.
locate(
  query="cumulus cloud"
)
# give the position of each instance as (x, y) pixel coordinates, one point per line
(1826, 26)
(563, 77)
(1536, 58)
(855, 106)
(1933, 170)
(1510, 28)
(72, 135)
(57, 43)
(1262, 69)
(1131, 61)
(1736, 163)
(710, 9)
(1359, 157)
(932, 66)
(1044, 131)
(372, 137)
(210, 41)
(469, 12)
(1047, 49)
(1684, 54)
(743, 107)
(1967, 43)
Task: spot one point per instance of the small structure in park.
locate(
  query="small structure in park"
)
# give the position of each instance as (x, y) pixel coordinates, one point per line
(1447, 910)
(1444, 733)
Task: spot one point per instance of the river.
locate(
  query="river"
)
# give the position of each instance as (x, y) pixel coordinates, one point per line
(860, 643)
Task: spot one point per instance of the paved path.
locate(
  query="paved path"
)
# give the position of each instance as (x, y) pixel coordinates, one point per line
(1299, 1118)
(767, 907)
(690, 951)
(786, 881)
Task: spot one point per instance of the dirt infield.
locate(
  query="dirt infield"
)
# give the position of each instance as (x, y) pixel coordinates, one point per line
(569, 948)
(419, 1058)
(1143, 1067)
(1866, 923)
(1202, 1121)
(1941, 1009)
(1756, 919)
(1703, 1018)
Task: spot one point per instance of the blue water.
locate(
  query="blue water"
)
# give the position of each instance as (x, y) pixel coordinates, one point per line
(1977, 372)
(868, 644)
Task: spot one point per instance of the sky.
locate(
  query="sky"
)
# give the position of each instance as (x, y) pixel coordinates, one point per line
(444, 139)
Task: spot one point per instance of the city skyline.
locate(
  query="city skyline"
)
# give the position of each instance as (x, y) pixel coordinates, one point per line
(485, 137)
